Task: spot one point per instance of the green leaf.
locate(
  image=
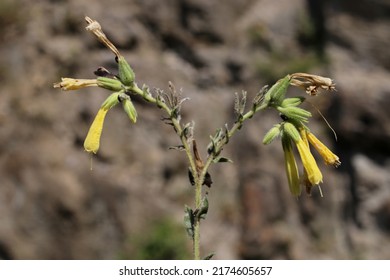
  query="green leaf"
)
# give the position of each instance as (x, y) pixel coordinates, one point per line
(209, 256)
(221, 159)
(186, 132)
(204, 208)
(177, 148)
(189, 221)
(191, 177)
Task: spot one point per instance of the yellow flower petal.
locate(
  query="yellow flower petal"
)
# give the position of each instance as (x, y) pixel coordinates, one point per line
(92, 141)
(73, 84)
(329, 157)
(314, 174)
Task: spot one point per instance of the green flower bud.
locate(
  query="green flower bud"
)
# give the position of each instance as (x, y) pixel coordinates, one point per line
(110, 101)
(290, 130)
(271, 134)
(126, 74)
(295, 113)
(129, 109)
(277, 92)
(110, 84)
(294, 101)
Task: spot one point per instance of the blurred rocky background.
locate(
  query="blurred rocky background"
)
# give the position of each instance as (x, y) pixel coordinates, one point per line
(131, 205)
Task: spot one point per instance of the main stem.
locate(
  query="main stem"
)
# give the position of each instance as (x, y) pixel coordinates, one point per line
(198, 179)
(196, 238)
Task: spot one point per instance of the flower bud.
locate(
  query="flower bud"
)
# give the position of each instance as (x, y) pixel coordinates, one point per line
(271, 134)
(111, 101)
(295, 113)
(293, 101)
(290, 130)
(130, 109)
(276, 93)
(126, 74)
(110, 84)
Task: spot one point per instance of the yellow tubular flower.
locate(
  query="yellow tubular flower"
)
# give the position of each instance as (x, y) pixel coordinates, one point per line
(305, 178)
(329, 157)
(92, 141)
(313, 172)
(291, 167)
(73, 84)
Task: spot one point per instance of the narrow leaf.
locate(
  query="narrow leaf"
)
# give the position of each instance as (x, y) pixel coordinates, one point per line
(189, 221)
(209, 257)
(222, 159)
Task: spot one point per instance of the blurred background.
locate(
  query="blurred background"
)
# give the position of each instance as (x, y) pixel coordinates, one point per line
(131, 205)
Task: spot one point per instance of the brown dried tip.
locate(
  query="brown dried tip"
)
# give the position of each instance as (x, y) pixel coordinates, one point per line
(311, 83)
(96, 29)
(198, 161)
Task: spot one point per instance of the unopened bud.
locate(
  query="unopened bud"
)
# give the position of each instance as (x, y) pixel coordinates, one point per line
(111, 101)
(126, 74)
(290, 130)
(277, 92)
(110, 84)
(129, 109)
(293, 101)
(271, 134)
(295, 113)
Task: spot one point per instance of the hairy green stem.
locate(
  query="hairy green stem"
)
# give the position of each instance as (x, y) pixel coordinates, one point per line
(198, 181)
(176, 124)
(198, 201)
(196, 241)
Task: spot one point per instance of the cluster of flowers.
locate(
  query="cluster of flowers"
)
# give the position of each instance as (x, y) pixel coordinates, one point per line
(293, 130)
(120, 84)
